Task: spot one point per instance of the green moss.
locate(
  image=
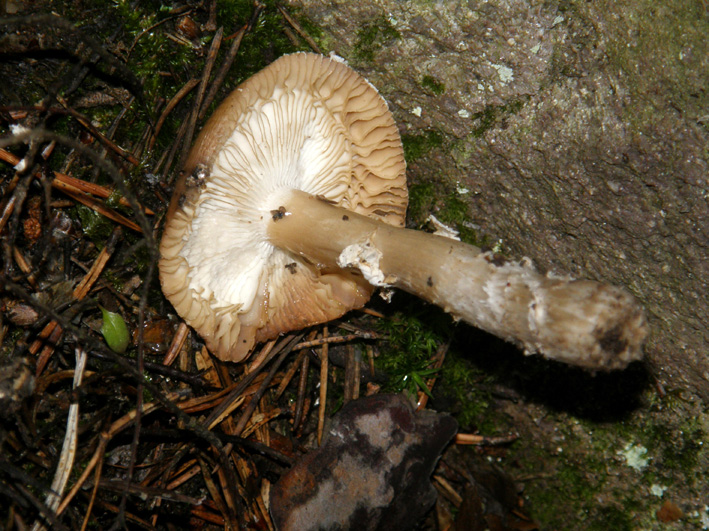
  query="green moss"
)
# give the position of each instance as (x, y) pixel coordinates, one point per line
(372, 36)
(484, 120)
(418, 145)
(413, 334)
(432, 85)
(113, 279)
(454, 211)
(465, 383)
(569, 488)
(160, 64)
(422, 199)
(154, 51)
(572, 481)
(678, 448)
(236, 11)
(95, 226)
(448, 207)
(658, 48)
(612, 517)
(164, 64)
(585, 467)
(313, 30)
(492, 114)
(265, 43)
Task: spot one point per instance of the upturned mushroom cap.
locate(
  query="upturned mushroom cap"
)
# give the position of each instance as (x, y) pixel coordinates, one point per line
(305, 122)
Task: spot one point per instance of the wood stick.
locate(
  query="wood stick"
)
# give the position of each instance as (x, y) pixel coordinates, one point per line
(323, 386)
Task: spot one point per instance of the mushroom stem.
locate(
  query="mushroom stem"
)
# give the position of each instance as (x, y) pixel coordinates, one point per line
(581, 322)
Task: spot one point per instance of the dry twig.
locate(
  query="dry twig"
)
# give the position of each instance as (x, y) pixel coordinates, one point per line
(49, 336)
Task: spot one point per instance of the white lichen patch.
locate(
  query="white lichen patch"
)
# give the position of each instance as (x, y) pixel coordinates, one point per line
(635, 456)
(657, 490)
(504, 72)
(703, 516)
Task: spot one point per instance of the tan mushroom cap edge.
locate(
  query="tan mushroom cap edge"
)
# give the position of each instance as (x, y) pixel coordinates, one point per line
(301, 295)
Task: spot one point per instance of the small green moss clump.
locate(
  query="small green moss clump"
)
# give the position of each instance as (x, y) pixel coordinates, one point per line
(94, 225)
(612, 517)
(418, 145)
(679, 448)
(491, 114)
(266, 42)
(454, 212)
(448, 207)
(431, 84)
(464, 382)
(372, 36)
(151, 51)
(413, 335)
(422, 200)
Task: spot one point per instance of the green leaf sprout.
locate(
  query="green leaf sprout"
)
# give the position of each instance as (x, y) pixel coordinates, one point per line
(115, 331)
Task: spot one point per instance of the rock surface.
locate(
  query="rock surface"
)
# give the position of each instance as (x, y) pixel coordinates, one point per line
(372, 472)
(575, 132)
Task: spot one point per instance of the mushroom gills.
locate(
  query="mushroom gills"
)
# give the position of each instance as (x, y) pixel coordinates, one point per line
(580, 322)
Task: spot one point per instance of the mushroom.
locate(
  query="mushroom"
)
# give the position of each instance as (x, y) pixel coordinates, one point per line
(290, 211)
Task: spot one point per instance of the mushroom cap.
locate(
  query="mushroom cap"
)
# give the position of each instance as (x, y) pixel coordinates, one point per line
(305, 122)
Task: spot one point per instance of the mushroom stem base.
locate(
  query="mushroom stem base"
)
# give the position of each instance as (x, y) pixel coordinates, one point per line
(580, 322)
